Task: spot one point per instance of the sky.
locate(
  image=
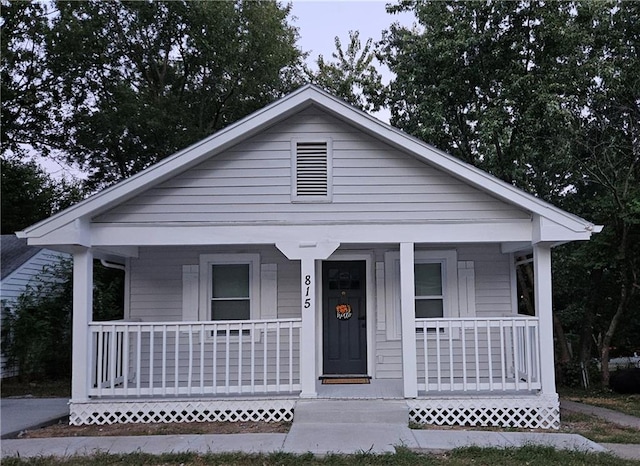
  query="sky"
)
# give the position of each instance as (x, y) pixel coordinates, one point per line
(319, 22)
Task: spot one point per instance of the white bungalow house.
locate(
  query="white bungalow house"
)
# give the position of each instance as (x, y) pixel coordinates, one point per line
(307, 243)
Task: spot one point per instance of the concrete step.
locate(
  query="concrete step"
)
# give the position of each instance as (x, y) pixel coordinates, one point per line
(351, 412)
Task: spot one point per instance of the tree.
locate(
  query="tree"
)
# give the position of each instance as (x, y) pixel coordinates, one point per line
(29, 194)
(25, 79)
(544, 95)
(352, 75)
(137, 81)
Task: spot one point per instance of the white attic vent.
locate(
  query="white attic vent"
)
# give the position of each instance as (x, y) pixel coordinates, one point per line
(311, 171)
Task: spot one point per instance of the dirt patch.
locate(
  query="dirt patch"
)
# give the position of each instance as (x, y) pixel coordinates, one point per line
(187, 428)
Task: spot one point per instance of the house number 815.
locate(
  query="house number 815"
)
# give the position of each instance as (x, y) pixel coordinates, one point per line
(307, 299)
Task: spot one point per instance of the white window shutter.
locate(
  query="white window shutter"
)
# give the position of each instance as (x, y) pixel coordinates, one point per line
(190, 281)
(467, 288)
(269, 291)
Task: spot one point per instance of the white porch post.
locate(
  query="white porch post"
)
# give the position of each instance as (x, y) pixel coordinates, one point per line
(543, 304)
(308, 368)
(82, 315)
(307, 253)
(408, 320)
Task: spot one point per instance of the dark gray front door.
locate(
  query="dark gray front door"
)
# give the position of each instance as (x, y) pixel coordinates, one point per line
(344, 339)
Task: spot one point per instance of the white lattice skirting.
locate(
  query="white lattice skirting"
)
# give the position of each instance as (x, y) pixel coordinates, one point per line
(164, 411)
(534, 412)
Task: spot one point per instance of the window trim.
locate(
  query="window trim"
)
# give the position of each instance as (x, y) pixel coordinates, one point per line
(207, 260)
(450, 306)
(294, 170)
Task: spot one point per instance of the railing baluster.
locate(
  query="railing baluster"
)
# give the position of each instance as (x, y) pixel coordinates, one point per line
(252, 333)
(516, 353)
(164, 360)
(138, 358)
(226, 368)
(189, 328)
(425, 350)
(113, 357)
(476, 354)
(125, 358)
(100, 360)
(438, 361)
(277, 358)
(152, 350)
(265, 373)
(503, 363)
(290, 356)
(215, 359)
(528, 355)
(201, 359)
(240, 356)
(176, 357)
(463, 339)
(490, 355)
(450, 338)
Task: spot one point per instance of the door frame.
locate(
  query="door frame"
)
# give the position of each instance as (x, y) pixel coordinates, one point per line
(347, 255)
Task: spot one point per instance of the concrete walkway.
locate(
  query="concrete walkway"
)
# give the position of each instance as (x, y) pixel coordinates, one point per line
(315, 438)
(18, 414)
(626, 451)
(315, 429)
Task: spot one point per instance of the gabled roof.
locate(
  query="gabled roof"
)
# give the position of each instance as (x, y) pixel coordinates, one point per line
(14, 252)
(304, 97)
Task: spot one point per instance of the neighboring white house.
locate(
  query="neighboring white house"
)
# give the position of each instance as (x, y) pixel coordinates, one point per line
(21, 265)
(311, 241)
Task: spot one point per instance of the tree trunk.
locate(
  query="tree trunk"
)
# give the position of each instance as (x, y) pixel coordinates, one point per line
(591, 308)
(613, 325)
(563, 356)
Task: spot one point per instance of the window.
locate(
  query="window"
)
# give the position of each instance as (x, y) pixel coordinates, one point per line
(428, 290)
(311, 171)
(435, 287)
(230, 296)
(230, 285)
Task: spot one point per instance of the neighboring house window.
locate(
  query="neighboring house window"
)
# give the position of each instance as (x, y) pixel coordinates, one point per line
(311, 171)
(230, 286)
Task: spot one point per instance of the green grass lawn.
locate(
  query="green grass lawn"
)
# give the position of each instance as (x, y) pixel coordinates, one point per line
(603, 397)
(532, 456)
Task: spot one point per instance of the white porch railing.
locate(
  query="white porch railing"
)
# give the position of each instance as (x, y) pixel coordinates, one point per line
(194, 358)
(478, 354)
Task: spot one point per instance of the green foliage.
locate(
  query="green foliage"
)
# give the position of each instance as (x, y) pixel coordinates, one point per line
(25, 80)
(36, 330)
(546, 96)
(137, 81)
(352, 75)
(29, 194)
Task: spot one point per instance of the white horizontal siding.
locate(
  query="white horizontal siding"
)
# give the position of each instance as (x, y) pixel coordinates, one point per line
(252, 183)
(493, 298)
(156, 280)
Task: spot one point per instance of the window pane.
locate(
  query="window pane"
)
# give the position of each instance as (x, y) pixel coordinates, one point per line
(230, 310)
(428, 279)
(230, 281)
(429, 308)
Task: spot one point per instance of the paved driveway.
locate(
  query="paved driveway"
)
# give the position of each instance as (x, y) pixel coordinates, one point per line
(18, 414)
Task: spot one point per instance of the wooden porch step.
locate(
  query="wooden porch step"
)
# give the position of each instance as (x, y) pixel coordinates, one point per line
(351, 412)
